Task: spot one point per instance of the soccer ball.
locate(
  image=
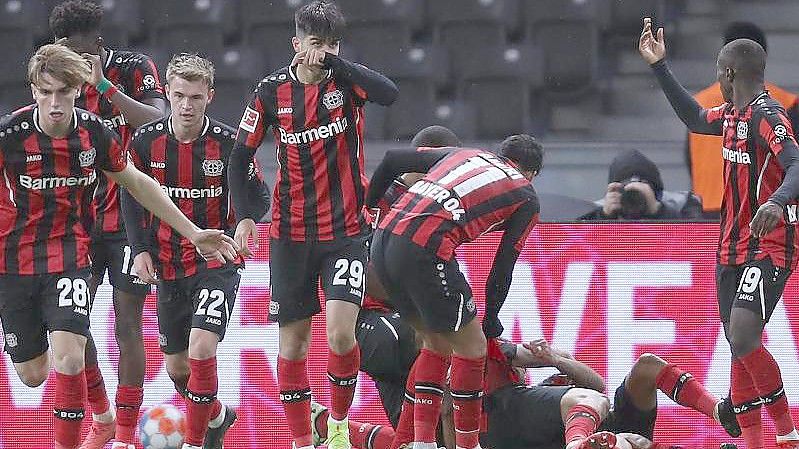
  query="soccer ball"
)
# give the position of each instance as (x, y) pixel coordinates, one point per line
(162, 427)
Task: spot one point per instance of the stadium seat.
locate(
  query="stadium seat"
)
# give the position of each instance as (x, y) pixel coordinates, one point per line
(779, 15)
(499, 87)
(467, 40)
(413, 110)
(408, 12)
(189, 38)
(16, 46)
(258, 12)
(15, 95)
(273, 40)
(375, 120)
(27, 15)
(570, 54)
(371, 41)
(564, 10)
(626, 16)
(501, 12)
(207, 21)
(238, 70)
(122, 22)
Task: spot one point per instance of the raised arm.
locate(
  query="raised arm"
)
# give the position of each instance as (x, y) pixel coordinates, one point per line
(538, 354)
(370, 85)
(696, 118)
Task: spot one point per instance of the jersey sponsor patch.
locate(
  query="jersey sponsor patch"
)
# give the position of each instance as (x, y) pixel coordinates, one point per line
(249, 120)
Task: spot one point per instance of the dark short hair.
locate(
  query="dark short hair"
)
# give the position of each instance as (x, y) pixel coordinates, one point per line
(75, 17)
(435, 136)
(745, 30)
(524, 150)
(321, 18)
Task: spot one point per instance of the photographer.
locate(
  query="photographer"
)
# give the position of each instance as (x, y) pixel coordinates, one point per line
(635, 192)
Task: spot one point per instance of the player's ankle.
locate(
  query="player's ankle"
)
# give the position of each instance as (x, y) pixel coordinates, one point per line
(106, 417)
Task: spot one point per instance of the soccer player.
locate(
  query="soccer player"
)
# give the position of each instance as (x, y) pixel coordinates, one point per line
(186, 153)
(319, 229)
(125, 91)
(50, 153)
(758, 248)
(465, 193)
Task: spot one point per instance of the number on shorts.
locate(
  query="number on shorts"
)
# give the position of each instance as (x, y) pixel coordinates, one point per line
(750, 279)
(355, 269)
(217, 298)
(72, 291)
(127, 261)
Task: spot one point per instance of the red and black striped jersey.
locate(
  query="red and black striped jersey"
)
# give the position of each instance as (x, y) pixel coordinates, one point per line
(318, 131)
(194, 175)
(136, 75)
(47, 188)
(753, 137)
(466, 194)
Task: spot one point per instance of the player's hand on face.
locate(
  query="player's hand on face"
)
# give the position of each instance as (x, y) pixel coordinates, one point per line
(542, 353)
(246, 230)
(612, 205)
(651, 46)
(97, 68)
(299, 58)
(315, 57)
(214, 244)
(144, 268)
(766, 218)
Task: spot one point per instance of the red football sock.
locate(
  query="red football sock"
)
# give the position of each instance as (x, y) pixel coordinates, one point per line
(581, 421)
(70, 396)
(685, 390)
(767, 379)
(746, 398)
(369, 436)
(467, 393)
(201, 391)
(342, 371)
(404, 432)
(431, 371)
(98, 399)
(295, 393)
(129, 399)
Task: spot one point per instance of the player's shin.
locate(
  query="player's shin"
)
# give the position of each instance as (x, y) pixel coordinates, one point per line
(767, 379)
(685, 390)
(467, 392)
(295, 393)
(70, 397)
(431, 371)
(404, 431)
(746, 404)
(128, 402)
(201, 393)
(342, 371)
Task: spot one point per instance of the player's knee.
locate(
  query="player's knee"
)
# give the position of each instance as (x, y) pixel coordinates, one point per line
(128, 336)
(742, 343)
(71, 362)
(179, 372)
(586, 397)
(648, 364)
(32, 377)
(340, 341)
(202, 350)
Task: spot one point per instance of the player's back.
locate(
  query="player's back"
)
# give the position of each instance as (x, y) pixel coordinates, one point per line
(753, 137)
(466, 194)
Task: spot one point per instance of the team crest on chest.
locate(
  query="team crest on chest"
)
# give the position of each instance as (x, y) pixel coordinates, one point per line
(742, 130)
(213, 167)
(333, 100)
(86, 157)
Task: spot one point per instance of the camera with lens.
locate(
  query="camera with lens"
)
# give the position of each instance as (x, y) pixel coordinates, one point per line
(633, 201)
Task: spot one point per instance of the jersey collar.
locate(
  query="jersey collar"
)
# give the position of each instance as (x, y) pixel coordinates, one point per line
(206, 125)
(39, 128)
(293, 74)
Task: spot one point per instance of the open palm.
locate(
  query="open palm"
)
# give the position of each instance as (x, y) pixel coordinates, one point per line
(651, 47)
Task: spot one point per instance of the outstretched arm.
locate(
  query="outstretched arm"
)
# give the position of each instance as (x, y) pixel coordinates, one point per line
(374, 86)
(697, 119)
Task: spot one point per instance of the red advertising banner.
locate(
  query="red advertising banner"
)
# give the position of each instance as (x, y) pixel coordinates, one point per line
(605, 292)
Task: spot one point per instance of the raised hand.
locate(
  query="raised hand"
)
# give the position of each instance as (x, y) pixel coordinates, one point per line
(651, 47)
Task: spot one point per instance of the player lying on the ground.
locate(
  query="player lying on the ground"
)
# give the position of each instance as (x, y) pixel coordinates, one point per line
(566, 408)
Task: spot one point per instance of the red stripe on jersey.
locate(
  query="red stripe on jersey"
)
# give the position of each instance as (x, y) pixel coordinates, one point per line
(8, 211)
(324, 203)
(35, 213)
(351, 207)
(254, 138)
(186, 178)
(164, 231)
(214, 204)
(55, 257)
(422, 235)
(294, 168)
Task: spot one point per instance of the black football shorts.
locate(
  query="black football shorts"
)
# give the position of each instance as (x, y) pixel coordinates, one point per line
(297, 270)
(756, 285)
(203, 301)
(421, 285)
(113, 254)
(32, 306)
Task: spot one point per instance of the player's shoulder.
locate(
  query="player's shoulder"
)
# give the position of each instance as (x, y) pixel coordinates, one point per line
(221, 131)
(765, 105)
(151, 130)
(91, 121)
(127, 59)
(271, 82)
(18, 123)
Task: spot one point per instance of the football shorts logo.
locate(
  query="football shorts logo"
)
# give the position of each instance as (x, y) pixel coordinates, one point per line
(162, 339)
(11, 340)
(742, 130)
(470, 305)
(86, 158)
(333, 100)
(249, 120)
(213, 167)
(274, 308)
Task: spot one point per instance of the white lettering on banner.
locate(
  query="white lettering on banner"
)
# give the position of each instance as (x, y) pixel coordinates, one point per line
(623, 329)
